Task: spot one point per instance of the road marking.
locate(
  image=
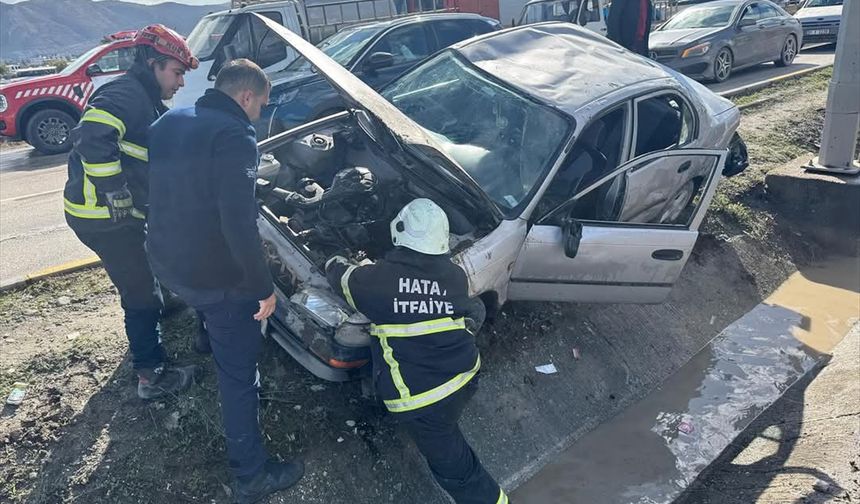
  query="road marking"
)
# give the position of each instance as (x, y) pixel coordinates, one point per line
(755, 86)
(65, 267)
(34, 195)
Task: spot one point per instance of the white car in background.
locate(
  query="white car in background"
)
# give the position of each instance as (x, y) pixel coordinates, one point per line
(820, 20)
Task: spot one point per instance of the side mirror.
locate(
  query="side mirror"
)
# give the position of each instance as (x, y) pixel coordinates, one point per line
(93, 70)
(379, 60)
(571, 235)
(745, 22)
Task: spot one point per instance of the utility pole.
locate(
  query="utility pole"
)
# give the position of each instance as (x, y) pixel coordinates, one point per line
(842, 118)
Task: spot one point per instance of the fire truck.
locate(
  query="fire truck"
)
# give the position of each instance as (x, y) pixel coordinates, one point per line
(43, 110)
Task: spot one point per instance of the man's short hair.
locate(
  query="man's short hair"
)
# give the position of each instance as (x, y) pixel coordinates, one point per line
(241, 74)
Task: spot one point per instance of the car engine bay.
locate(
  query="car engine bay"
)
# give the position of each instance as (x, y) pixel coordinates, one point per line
(333, 192)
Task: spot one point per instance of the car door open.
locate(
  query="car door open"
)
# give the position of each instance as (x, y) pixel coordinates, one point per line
(625, 237)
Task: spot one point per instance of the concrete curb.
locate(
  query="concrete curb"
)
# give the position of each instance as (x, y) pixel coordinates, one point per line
(767, 83)
(60, 269)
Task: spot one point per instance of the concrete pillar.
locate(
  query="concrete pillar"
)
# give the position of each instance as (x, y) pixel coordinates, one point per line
(842, 119)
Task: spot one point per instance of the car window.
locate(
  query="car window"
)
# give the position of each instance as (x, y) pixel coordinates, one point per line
(451, 31)
(753, 12)
(561, 10)
(663, 122)
(666, 190)
(270, 48)
(406, 44)
(768, 11)
(597, 152)
(118, 60)
(590, 12)
(503, 139)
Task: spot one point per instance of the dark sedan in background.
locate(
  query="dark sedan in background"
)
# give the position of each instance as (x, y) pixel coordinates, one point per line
(711, 40)
(375, 52)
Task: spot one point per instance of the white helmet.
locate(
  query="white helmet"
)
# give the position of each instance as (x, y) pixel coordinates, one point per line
(421, 226)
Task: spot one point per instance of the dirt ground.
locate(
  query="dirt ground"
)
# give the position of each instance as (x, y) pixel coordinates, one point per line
(81, 434)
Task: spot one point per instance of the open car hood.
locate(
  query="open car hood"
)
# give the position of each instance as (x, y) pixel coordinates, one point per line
(407, 134)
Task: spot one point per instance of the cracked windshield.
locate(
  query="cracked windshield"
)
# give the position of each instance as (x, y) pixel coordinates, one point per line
(502, 139)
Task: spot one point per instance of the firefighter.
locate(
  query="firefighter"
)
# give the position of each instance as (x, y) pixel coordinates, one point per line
(203, 243)
(425, 360)
(105, 197)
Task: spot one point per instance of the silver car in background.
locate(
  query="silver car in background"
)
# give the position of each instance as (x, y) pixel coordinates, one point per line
(585, 181)
(820, 20)
(711, 40)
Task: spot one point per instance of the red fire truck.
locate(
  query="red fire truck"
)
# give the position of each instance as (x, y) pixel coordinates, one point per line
(43, 110)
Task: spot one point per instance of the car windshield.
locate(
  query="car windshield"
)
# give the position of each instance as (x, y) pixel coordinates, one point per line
(701, 17)
(205, 36)
(81, 60)
(822, 3)
(550, 11)
(341, 47)
(503, 140)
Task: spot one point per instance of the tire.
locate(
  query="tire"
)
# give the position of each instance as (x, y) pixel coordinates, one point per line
(723, 63)
(50, 131)
(788, 53)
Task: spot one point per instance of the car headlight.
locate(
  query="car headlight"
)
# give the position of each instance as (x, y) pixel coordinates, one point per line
(321, 305)
(3, 103)
(696, 50)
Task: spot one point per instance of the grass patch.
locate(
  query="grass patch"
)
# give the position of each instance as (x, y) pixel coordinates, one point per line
(789, 87)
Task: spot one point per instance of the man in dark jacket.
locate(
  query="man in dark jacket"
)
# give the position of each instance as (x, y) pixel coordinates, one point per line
(105, 197)
(203, 244)
(629, 24)
(425, 361)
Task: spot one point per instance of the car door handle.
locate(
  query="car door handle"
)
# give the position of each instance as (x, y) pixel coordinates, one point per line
(668, 255)
(685, 166)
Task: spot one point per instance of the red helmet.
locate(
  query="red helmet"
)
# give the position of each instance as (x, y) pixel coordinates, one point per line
(167, 42)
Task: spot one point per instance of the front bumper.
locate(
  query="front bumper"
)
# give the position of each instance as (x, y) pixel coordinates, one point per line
(820, 34)
(697, 67)
(7, 127)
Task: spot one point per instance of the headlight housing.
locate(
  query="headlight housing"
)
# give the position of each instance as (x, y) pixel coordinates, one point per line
(321, 306)
(3, 103)
(696, 50)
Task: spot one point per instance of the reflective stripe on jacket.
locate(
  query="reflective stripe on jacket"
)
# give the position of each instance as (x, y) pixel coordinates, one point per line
(419, 306)
(110, 149)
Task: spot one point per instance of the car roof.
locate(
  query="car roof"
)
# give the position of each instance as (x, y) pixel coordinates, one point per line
(594, 65)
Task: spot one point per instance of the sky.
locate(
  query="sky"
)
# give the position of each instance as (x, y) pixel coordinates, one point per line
(151, 2)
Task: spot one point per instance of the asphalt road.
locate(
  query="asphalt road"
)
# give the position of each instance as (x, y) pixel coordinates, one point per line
(33, 233)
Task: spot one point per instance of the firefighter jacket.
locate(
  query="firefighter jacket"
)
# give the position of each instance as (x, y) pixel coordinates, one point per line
(110, 149)
(202, 235)
(418, 305)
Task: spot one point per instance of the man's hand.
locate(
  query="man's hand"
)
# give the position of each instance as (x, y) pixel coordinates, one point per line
(267, 307)
(120, 204)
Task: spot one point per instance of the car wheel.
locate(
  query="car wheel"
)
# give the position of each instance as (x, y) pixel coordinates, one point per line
(50, 131)
(723, 65)
(789, 52)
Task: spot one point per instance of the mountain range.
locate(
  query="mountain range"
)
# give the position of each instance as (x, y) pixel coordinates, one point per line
(70, 27)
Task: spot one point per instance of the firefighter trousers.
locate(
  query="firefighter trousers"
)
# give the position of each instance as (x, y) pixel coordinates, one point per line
(236, 343)
(123, 256)
(454, 464)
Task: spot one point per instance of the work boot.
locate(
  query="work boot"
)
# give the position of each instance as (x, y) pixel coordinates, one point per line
(201, 338)
(163, 381)
(274, 477)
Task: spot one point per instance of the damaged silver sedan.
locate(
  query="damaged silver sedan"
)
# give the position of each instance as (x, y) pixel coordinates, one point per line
(570, 169)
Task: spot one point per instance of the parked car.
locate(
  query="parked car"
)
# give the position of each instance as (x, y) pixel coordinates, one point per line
(712, 40)
(237, 33)
(820, 20)
(375, 52)
(42, 111)
(588, 13)
(556, 185)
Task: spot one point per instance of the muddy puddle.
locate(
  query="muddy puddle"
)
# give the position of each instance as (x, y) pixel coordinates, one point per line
(652, 451)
